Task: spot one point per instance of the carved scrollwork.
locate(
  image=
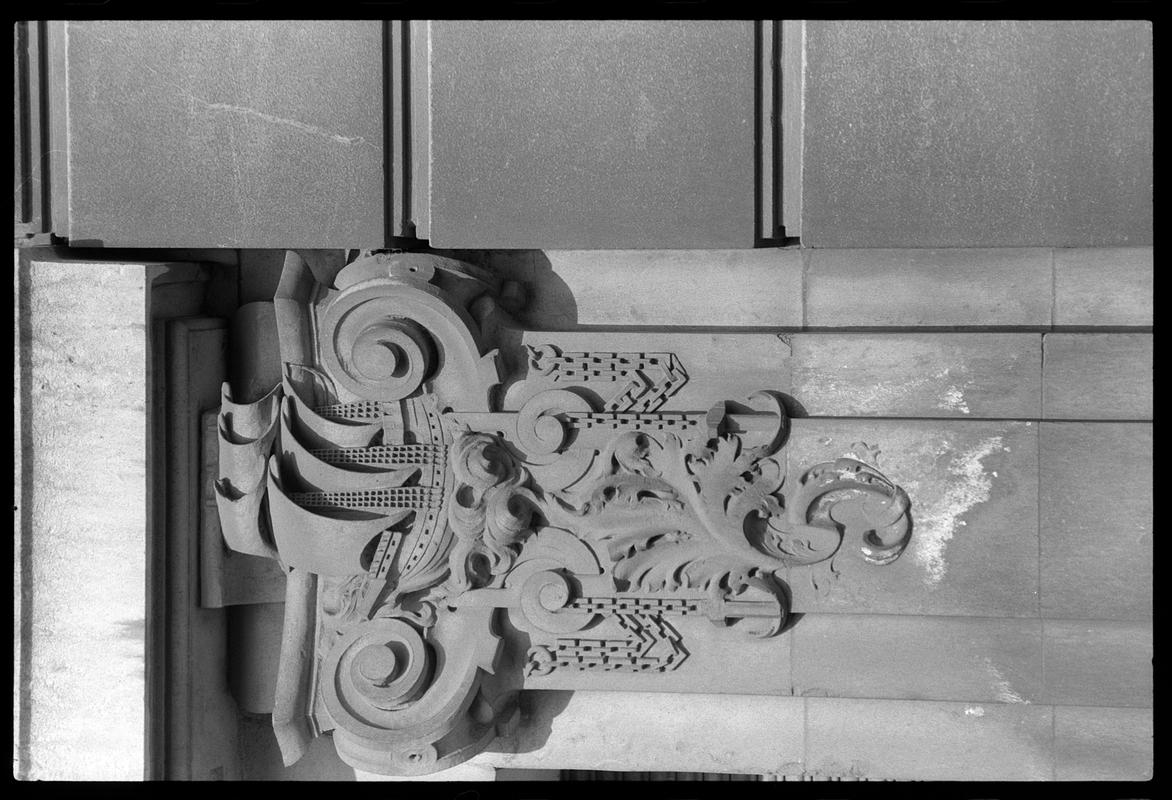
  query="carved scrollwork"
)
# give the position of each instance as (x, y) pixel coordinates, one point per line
(491, 510)
(447, 515)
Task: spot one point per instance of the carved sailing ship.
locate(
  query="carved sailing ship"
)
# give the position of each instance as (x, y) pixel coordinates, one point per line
(460, 511)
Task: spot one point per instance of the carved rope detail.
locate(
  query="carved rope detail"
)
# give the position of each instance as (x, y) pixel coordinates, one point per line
(449, 511)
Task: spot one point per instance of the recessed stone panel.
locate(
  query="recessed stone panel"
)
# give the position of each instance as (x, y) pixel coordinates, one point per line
(961, 133)
(592, 134)
(209, 133)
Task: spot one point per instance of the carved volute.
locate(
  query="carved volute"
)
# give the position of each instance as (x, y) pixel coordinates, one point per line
(466, 509)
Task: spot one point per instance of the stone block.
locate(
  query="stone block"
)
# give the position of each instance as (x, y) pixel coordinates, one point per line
(1097, 376)
(588, 134)
(917, 375)
(927, 740)
(1098, 663)
(1103, 744)
(1103, 286)
(973, 491)
(955, 133)
(1097, 510)
(717, 288)
(267, 125)
(634, 731)
(900, 288)
(918, 658)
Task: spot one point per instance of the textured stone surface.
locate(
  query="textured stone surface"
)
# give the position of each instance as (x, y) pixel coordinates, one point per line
(1103, 744)
(897, 288)
(85, 479)
(1098, 663)
(918, 658)
(1098, 376)
(917, 375)
(917, 740)
(592, 134)
(226, 134)
(973, 491)
(1096, 520)
(751, 288)
(636, 731)
(1103, 286)
(980, 135)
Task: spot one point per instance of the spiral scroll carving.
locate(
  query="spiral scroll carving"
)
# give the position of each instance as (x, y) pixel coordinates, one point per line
(377, 668)
(377, 355)
(539, 431)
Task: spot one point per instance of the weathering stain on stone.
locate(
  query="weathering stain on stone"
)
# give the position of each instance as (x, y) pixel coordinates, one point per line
(938, 519)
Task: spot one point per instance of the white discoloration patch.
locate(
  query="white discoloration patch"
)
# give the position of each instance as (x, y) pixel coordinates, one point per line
(974, 711)
(936, 521)
(945, 390)
(1005, 692)
(954, 399)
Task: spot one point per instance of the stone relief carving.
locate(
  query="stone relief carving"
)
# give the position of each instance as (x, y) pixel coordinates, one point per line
(431, 478)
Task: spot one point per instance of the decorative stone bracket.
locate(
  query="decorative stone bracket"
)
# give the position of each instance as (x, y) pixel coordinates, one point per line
(461, 512)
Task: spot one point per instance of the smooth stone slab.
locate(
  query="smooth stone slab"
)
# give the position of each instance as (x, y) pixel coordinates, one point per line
(1103, 286)
(897, 288)
(918, 375)
(204, 133)
(1098, 663)
(1098, 376)
(918, 658)
(1097, 516)
(927, 740)
(592, 134)
(974, 495)
(955, 133)
(1103, 744)
(83, 584)
(634, 731)
(719, 288)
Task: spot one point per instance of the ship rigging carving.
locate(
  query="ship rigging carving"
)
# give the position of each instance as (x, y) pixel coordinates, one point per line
(462, 506)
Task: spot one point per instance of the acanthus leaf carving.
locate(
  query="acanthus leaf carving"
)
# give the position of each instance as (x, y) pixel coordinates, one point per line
(442, 505)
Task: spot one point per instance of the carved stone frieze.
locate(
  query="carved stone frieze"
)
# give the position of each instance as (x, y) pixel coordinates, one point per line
(468, 507)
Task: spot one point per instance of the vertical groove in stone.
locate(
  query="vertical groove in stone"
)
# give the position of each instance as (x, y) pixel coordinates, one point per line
(768, 186)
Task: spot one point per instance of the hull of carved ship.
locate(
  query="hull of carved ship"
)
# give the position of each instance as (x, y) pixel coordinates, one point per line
(486, 509)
